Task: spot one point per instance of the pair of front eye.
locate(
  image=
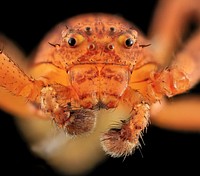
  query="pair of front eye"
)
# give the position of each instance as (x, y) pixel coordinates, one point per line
(127, 42)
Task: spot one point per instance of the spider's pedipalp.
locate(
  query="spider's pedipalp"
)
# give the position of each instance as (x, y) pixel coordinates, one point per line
(123, 141)
(80, 122)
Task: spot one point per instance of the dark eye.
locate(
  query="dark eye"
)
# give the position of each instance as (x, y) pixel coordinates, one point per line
(129, 42)
(72, 41)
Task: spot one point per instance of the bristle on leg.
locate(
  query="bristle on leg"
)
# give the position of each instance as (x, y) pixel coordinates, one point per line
(80, 122)
(118, 143)
(122, 142)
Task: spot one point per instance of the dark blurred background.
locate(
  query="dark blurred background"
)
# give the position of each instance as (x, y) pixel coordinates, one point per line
(164, 152)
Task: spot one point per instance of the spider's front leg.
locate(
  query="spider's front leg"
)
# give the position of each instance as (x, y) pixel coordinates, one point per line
(169, 82)
(13, 79)
(183, 113)
(142, 93)
(60, 103)
(57, 101)
(174, 35)
(123, 141)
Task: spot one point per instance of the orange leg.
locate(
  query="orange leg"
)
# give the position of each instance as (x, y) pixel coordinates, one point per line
(15, 82)
(167, 36)
(13, 79)
(170, 21)
(123, 141)
(57, 101)
(61, 104)
(182, 113)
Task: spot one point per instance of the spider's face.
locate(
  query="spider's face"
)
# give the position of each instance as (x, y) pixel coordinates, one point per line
(99, 53)
(99, 39)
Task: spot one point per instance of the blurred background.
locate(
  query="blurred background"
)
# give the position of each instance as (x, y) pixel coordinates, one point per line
(26, 23)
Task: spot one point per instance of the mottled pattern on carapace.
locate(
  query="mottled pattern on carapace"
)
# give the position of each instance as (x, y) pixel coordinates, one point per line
(99, 64)
(98, 31)
(99, 83)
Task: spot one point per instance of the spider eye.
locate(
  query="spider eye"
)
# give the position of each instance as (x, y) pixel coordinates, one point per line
(72, 41)
(129, 42)
(126, 40)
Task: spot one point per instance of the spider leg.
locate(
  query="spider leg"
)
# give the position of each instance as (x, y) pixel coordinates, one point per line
(9, 102)
(183, 74)
(61, 104)
(188, 59)
(182, 113)
(123, 141)
(13, 79)
(170, 21)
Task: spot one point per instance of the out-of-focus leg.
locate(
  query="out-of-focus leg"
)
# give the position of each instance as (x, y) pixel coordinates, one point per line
(182, 113)
(189, 59)
(16, 105)
(170, 21)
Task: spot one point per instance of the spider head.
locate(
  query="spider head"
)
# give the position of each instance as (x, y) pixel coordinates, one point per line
(99, 39)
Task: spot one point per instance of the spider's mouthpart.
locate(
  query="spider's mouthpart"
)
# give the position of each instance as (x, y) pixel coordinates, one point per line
(80, 122)
(100, 105)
